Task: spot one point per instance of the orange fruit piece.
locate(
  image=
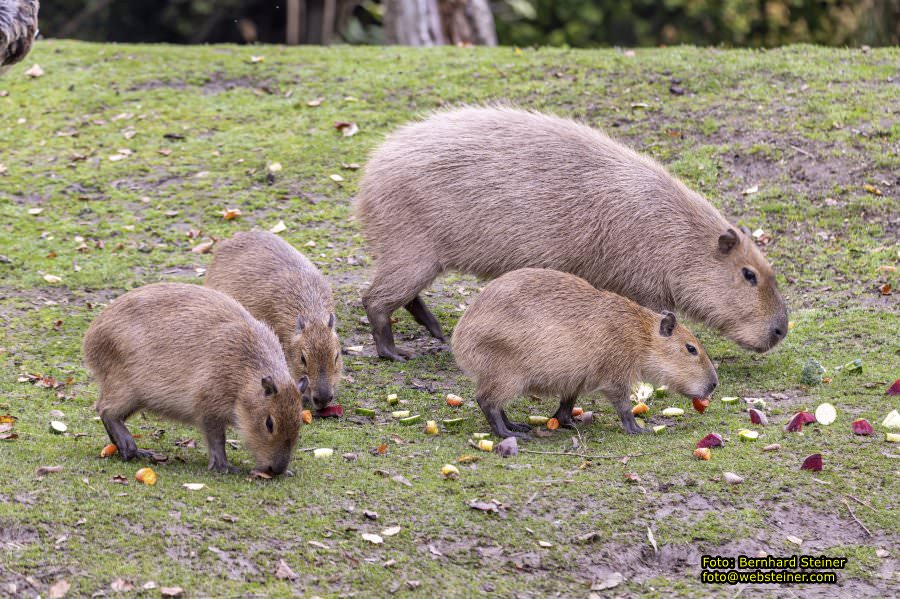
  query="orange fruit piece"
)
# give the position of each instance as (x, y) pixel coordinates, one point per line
(553, 424)
(146, 476)
(702, 453)
(576, 411)
(454, 401)
(640, 408)
(307, 416)
(109, 450)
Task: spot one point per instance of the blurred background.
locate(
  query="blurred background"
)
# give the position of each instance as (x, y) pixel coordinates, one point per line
(576, 23)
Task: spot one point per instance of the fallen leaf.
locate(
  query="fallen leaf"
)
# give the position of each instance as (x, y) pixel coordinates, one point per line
(484, 506)
(772, 447)
(347, 128)
(751, 190)
(632, 477)
(45, 470)
(284, 572)
(795, 540)
(119, 479)
(372, 538)
(171, 591)
(193, 486)
(120, 585)
(872, 189)
(231, 213)
(255, 59)
(58, 589)
(315, 102)
(616, 578)
(652, 540)
(390, 531)
(402, 480)
(52, 279)
(204, 247)
(260, 474)
(731, 478)
(279, 227)
(35, 71)
(317, 545)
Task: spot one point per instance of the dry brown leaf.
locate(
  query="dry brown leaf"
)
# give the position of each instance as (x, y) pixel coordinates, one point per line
(171, 591)
(284, 572)
(231, 213)
(59, 589)
(347, 128)
(120, 585)
(45, 470)
(203, 248)
(35, 71)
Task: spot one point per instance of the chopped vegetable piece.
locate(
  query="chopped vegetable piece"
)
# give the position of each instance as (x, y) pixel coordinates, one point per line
(400, 413)
(673, 412)
(332, 411)
(146, 476)
(640, 408)
(411, 420)
(450, 471)
(703, 453)
(108, 451)
(812, 372)
(57, 427)
(453, 421)
(661, 392)
(892, 420)
(538, 420)
(576, 411)
(894, 389)
(711, 440)
(813, 462)
(431, 427)
(862, 427)
(758, 417)
(892, 437)
(553, 424)
(454, 401)
(731, 478)
(659, 428)
(700, 404)
(323, 452)
(772, 447)
(486, 445)
(480, 435)
(825, 414)
(365, 412)
(748, 435)
(730, 399)
(306, 416)
(392, 399)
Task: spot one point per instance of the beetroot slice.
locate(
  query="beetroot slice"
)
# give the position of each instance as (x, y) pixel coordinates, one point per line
(795, 425)
(813, 462)
(757, 417)
(862, 427)
(808, 417)
(710, 440)
(332, 411)
(895, 388)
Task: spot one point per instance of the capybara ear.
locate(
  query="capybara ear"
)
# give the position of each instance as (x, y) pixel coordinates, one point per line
(303, 383)
(728, 240)
(268, 386)
(300, 323)
(331, 321)
(667, 324)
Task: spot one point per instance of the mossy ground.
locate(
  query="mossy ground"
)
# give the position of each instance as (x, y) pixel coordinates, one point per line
(810, 127)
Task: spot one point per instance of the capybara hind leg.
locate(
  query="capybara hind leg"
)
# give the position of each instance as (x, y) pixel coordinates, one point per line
(623, 407)
(215, 446)
(514, 426)
(494, 417)
(394, 285)
(564, 413)
(424, 317)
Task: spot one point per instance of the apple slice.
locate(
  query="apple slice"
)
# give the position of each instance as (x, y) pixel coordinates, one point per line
(813, 462)
(730, 400)
(323, 452)
(672, 412)
(758, 417)
(892, 420)
(748, 435)
(710, 440)
(892, 437)
(700, 403)
(825, 414)
(862, 427)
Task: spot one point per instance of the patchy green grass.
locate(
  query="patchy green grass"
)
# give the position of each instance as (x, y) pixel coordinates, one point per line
(810, 127)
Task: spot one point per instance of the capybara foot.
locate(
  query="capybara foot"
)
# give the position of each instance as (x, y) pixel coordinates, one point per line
(225, 468)
(518, 426)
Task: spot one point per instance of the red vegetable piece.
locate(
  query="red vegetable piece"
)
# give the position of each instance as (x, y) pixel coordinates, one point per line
(808, 417)
(758, 417)
(895, 388)
(813, 462)
(795, 425)
(332, 411)
(862, 427)
(700, 404)
(710, 440)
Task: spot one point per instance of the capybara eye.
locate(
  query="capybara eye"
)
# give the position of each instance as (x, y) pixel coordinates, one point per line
(691, 349)
(303, 360)
(270, 426)
(749, 275)
(337, 357)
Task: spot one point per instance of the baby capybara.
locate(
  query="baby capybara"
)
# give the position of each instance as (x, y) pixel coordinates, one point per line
(545, 332)
(281, 287)
(490, 190)
(194, 355)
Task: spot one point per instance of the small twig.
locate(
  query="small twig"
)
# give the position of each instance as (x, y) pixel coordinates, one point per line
(855, 519)
(532, 498)
(586, 456)
(802, 151)
(862, 503)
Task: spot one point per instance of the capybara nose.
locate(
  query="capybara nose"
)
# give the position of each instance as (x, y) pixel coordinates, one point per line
(777, 333)
(711, 388)
(323, 398)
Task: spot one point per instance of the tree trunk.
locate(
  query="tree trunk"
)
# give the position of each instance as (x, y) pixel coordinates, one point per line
(439, 22)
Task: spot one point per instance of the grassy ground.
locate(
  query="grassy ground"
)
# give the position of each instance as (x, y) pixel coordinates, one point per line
(195, 130)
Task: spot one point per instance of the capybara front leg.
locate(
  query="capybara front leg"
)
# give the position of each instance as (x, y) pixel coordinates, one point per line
(623, 407)
(120, 436)
(564, 413)
(514, 426)
(215, 446)
(424, 317)
(494, 416)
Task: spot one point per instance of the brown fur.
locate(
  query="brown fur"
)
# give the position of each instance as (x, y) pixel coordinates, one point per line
(18, 26)
(544, 332)
(193, 355)
(279, 285)
(490, 190)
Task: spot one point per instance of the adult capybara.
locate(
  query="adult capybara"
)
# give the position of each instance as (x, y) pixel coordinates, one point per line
(545, 332)
(194, 355)
(18, 26)
(490, 190)
(281, 287)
